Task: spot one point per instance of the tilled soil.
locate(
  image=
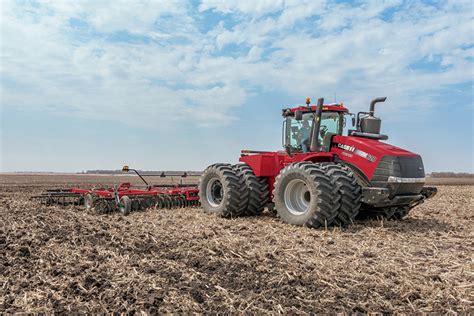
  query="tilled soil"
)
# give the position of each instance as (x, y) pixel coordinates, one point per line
(66, 259)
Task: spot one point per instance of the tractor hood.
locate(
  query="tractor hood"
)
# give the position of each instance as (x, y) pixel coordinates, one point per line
(375, 159)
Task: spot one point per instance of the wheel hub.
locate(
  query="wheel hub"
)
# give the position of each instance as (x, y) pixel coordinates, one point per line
(297, 197)
(214, 192)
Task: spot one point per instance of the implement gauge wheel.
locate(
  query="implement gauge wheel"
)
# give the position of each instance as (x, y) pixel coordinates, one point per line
(125, 205)
(88, 201)
(222, 191)
(304, 195)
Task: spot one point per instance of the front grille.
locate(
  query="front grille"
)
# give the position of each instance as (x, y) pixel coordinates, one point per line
(399, 167)
(411, 167)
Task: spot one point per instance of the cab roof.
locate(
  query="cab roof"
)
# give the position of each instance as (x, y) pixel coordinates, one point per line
(338, 107)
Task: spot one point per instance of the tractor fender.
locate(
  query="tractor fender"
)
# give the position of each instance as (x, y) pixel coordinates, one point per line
(359, 174)
(317, 157)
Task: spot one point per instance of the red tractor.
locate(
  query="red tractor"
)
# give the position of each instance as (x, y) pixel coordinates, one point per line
(322, 177)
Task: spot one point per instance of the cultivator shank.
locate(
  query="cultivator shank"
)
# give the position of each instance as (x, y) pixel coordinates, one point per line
(60, 197)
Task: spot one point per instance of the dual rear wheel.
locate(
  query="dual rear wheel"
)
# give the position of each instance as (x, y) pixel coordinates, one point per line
(232, 190)
(305, 193)
(316, 195)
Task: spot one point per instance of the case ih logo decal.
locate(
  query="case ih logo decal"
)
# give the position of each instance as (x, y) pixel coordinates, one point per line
(346, 147)
(358, 152)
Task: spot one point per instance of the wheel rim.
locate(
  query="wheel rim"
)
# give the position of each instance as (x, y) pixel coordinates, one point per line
(297, 197)
(214, 192)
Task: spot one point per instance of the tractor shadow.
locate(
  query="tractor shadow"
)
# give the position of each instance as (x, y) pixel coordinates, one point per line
(410, 224)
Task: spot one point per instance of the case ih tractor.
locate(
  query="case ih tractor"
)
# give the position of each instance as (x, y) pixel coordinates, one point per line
(322, 177)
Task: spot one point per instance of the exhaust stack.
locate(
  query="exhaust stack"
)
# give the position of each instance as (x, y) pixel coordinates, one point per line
(373, 102)
(314, 144)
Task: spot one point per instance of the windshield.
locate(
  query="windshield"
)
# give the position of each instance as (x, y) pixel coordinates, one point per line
(298, 133)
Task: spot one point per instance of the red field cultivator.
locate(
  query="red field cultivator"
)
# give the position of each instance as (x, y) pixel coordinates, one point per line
(124, 198)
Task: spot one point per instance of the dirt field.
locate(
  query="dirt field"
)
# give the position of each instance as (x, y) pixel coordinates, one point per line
(450, 181)
(66, 259)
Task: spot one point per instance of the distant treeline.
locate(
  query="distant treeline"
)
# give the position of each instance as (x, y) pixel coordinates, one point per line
(451, 175)
(144, 172)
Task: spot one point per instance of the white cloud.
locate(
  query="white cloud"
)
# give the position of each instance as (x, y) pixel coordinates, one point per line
(255, 53)
(299, 48)
(246, 6)
(299, 10)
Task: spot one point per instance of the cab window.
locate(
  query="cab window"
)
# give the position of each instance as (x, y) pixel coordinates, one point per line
(298, 133)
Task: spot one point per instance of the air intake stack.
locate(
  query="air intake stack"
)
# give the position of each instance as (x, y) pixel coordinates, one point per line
(371, 124)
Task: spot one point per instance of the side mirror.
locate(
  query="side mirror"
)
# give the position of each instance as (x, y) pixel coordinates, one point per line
(298, 115)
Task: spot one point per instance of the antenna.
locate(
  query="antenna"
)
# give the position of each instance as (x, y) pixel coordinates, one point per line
(335, 101)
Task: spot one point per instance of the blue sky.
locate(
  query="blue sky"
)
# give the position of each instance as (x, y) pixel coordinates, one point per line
(180, 85)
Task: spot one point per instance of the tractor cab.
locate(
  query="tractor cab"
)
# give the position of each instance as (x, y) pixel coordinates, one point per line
(299, 126)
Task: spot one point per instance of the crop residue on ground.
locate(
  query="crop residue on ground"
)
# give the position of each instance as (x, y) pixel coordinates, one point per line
(66, 259)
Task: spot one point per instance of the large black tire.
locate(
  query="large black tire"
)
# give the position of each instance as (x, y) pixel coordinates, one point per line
(304, 195)
(223, 191)
(257, 188)
(344, 179)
